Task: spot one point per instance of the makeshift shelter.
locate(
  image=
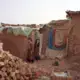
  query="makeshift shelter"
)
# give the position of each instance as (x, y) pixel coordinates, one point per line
(74, 34)
(15, 40)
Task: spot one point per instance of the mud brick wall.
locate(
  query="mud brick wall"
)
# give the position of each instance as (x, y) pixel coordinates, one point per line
(17, 45)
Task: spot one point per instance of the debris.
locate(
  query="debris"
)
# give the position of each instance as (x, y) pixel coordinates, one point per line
(14, 68)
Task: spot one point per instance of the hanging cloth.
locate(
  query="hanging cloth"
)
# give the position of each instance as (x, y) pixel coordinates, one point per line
(40, 47)
(50, 39)
(59, 38)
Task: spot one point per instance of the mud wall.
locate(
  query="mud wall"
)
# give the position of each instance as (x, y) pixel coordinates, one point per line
(17, 45)
(74, 36)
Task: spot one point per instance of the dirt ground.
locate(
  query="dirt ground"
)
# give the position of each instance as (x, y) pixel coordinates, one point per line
(71, 64)
(49, 60)
(72, 68)
(49, 63)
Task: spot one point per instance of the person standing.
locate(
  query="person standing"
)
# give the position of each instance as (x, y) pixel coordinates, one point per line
(30, 57)
(36, 46)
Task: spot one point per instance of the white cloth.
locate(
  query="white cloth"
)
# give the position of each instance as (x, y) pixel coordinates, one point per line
(40, 47)
(59, 38)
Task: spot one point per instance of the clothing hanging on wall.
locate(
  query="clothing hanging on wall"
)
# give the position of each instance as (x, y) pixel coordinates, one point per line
(59, 38)
(50, 39)
(40, 47)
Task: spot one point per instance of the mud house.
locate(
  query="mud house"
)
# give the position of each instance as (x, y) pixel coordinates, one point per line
(74, 34)
(15, 39)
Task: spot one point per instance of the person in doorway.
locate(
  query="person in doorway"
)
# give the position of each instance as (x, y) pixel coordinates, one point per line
(36, 49)
(30, 57)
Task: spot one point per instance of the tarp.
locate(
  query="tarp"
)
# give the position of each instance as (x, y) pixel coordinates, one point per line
(20, 31)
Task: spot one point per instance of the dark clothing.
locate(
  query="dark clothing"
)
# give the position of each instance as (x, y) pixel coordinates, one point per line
(36, 50)
(30, 57)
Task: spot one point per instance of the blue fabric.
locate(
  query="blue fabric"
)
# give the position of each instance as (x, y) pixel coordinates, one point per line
(50, 39)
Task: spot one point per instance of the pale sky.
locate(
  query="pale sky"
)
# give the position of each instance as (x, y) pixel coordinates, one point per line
(35, 11)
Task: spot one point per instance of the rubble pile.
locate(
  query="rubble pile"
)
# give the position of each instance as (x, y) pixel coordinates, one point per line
(14, 68)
